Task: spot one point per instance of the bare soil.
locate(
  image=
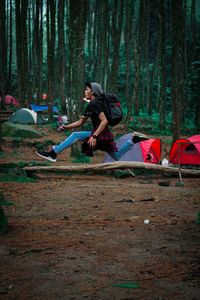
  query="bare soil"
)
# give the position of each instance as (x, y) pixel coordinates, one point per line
(82, 236)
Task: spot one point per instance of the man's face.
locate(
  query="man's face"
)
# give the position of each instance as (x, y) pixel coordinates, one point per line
(88, 93)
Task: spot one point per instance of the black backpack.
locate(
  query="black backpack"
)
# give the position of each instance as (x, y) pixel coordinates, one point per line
(112, 109)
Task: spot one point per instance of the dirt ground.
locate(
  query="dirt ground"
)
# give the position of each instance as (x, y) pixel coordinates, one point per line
(83, 236)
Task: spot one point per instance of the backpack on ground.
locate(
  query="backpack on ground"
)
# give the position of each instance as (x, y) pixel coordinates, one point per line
(112, 107)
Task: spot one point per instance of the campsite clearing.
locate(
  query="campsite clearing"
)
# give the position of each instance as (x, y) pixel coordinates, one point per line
(86, 236)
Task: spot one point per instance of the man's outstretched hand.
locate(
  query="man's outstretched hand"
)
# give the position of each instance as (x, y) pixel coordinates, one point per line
(61, 128)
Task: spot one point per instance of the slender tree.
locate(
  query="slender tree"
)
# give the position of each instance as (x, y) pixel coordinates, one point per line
(21, 49)
(162, 63)
(51, 13)
(177, 61)
(137, 50)
(37, 57)
(2, 58)
(116, 29)
(77, 24)
(10, 44)
(3, 52)
(61, 54)
(129, 42)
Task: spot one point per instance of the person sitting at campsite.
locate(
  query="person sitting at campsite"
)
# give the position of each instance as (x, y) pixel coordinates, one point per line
(100, 137)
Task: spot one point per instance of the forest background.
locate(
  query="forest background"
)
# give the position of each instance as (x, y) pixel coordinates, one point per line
(145, 51)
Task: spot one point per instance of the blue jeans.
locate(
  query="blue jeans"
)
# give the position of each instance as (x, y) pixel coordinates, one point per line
(81, 135)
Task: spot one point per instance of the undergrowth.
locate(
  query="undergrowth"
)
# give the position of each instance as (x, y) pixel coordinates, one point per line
(3, 217)
(81, 158)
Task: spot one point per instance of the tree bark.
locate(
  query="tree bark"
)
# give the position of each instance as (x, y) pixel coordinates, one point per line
(61, 54)
(177, 61)
(111, 166)
(162, 60)
(51, 11)
(3, 53)
(77, 23)
(116, 38)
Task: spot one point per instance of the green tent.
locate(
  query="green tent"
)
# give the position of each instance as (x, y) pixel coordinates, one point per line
(25, 116)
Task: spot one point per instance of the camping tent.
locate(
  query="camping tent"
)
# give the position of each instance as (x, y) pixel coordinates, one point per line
(25, 116)
(139, 151)
(10, 100)
(186, 151)
(37, 108)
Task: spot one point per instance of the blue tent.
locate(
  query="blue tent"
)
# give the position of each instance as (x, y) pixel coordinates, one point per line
(37, 108)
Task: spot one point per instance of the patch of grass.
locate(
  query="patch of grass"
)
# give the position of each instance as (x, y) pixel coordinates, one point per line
(15, 178)
(16, 141)
(3, 217)
(180, 184)
(36, 163)
(121, 174)
(81, 158)
(3, 221)
(2, 154)
(44, 145)
(198, 218)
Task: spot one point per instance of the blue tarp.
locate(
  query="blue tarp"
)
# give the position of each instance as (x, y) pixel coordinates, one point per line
(37, 108)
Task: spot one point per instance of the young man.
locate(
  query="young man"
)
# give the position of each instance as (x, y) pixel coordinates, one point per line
(100, 137)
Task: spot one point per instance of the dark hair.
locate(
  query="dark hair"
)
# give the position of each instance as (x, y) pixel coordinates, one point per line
(88, 84)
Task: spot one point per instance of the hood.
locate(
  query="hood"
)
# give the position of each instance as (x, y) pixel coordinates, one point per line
(96, 89)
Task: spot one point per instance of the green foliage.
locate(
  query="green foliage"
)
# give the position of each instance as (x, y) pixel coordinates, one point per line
(16, 141)
(2, 154)
(3, 218)
(150, 125)
(180, 184)
(36, 163)
(6, 203)
(99, 60)
(198, 218)
(15, 178)
(81, 158)
(121, 174)
(44, 145)
(19, 131)
(54, 124)
(3, 221)
(127, 285)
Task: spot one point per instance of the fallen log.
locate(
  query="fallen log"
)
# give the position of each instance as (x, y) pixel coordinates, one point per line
(111, 166)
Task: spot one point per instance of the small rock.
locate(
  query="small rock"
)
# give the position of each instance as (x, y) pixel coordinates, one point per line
(129, 200)
(171, 222)
(164, 183)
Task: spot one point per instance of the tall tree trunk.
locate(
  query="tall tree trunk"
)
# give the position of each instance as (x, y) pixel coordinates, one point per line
(21, 47)
(138, 60)
(101, 65)
(129, 41)
(177, 61)
(197, 107)
(3, 59)
(10, 46)
(3, 52)
(149, 69)
(61, 53)
(193, 28)
(51, 11)
(162, 59)
(116, 38)
(77, 15)
(37, 51)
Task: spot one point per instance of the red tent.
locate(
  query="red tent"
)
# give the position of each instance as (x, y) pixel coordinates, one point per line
(140, 151)
(11, 100)
(186, 151)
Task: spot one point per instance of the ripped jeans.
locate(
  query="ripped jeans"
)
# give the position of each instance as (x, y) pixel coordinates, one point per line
(82, 135)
